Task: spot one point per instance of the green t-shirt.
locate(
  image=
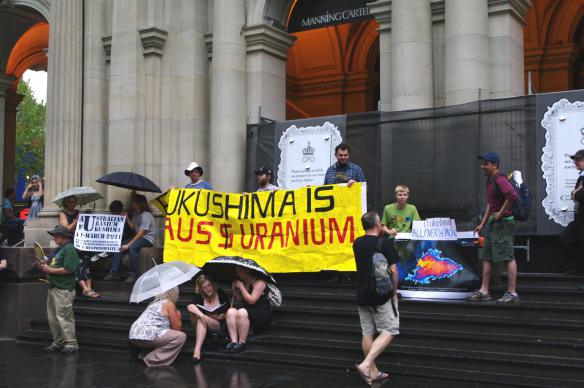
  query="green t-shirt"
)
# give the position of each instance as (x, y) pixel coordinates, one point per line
(65, 257)
(400, 219)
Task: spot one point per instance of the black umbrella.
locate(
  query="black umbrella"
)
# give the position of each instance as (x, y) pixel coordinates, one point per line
(129, 180)
(222, 268)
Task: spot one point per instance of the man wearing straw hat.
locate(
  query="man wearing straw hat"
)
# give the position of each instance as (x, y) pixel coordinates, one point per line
(61, 276)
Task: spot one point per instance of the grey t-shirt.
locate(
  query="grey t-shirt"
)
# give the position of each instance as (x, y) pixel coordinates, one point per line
(145, 221)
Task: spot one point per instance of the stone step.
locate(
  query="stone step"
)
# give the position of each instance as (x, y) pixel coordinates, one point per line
(457, 370)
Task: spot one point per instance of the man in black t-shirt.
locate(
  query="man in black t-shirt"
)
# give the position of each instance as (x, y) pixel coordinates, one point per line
(378, 314)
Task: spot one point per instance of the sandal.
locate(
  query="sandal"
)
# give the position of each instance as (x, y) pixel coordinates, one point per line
(92, 294)
(380, 376)
(364, 376)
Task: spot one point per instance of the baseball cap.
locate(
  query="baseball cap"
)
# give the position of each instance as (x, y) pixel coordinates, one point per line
(263, 170)
(578, 155)
(490, 157)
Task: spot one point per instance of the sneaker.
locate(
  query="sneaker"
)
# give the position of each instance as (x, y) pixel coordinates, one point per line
(69, 349)
(479, 296)
(52, 348)
(508, 298)
(98, 256)
(131, 278)
(239, 347)
(113, 276)
(229, 347)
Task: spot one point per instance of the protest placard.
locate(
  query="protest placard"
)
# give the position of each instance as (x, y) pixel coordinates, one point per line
(433, 229)
(303, 230)
(99, 232)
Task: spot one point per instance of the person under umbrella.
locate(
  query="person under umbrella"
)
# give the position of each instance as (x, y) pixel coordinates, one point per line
(250, 310)
(145, 227)
(252, 297)
(158, 329)
(68, 217)
(208, 297)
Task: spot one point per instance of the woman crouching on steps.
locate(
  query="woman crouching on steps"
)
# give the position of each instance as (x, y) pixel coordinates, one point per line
(158, 330)
(210, 298)
(253, 312)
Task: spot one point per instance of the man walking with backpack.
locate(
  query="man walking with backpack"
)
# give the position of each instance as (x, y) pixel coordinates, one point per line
(498, 229)
(376, 261)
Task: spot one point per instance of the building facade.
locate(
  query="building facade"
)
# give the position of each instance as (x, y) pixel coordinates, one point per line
(151, 85)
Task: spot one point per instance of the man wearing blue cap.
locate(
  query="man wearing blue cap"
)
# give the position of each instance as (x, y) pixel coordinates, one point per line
(498, 228)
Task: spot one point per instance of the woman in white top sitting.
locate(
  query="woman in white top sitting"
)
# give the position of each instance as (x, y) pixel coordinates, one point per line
(158, 330)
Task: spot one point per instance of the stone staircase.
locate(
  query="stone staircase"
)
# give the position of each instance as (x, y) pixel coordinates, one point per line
(538, 343)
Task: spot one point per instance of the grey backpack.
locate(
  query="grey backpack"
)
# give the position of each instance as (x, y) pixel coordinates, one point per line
(381, 276)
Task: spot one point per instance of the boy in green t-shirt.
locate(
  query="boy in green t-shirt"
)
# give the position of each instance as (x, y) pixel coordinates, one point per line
(61, 276)
(398, 216)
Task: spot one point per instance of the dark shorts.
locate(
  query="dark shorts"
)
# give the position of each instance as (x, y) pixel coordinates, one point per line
(498, 245)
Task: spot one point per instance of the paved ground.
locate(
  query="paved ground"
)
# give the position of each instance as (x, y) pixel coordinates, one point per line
(27, 366)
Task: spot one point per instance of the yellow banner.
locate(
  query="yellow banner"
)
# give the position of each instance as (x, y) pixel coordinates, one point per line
(303, 230)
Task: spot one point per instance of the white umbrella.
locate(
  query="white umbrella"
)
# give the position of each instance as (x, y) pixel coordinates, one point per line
(162, 278)
(84, 194)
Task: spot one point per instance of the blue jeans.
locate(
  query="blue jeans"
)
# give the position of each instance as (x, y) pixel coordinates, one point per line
(134, 251)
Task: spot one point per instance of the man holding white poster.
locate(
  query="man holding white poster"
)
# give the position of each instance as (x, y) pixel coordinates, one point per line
(572, 238)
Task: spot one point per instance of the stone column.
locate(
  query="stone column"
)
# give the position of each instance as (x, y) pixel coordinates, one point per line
(13, 99)
(95, 98)
(506, 21)
(267, 51)
(467, 67)
(382, 11)
(411, 59)
(228, 96)
(5, 82)
(125, 120)
(63, 122)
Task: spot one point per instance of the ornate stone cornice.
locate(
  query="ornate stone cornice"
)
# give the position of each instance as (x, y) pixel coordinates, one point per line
(106, 41)
(438, 9)
(153, 40)
(209, 43)
(381, 9)
(268, 39)
(517, 8)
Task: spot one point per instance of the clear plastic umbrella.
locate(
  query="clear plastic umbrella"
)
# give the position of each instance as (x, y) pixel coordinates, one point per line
(162, 278)
(84, 194)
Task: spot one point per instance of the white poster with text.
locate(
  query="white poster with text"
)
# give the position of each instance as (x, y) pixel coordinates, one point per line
(99, 232)
(305, 154)
(434, 229)
(564, 124)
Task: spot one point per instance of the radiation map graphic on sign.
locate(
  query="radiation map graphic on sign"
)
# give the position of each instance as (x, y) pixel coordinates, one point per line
(431, 266)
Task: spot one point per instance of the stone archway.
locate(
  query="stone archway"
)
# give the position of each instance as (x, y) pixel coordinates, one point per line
(554, 45)
(23, 40)
(333, 70)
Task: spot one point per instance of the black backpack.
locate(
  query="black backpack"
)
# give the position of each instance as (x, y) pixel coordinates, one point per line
(522, 206)
(381, 280)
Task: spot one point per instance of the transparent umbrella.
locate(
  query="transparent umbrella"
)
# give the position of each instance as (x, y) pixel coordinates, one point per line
(84, 194)
(162, 278)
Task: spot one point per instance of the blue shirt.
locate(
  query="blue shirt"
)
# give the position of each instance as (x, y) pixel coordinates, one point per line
(342, 174)
(200, 185)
